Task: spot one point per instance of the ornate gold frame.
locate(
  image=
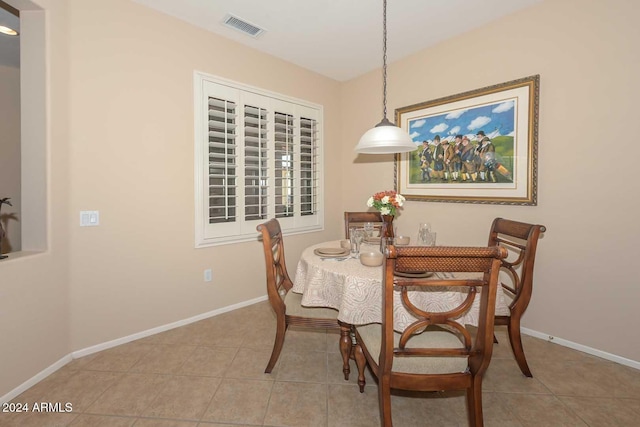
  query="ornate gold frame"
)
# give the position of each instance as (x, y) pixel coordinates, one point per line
(522, 189)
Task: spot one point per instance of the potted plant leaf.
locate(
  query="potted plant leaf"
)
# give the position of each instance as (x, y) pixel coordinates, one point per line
(4, 201)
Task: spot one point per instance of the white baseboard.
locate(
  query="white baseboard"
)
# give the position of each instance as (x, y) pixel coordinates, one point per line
(113, 343)
(36, 379)
(582, 348)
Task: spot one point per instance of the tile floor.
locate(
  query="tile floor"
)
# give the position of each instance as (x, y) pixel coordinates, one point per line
(210, 373)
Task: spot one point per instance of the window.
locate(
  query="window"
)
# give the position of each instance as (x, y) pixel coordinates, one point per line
(258, 155)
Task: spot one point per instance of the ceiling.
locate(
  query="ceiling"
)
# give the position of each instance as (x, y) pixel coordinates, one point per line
(340, 39)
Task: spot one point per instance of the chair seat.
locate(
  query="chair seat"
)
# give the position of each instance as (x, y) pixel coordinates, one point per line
(293, 302)
(433, 337)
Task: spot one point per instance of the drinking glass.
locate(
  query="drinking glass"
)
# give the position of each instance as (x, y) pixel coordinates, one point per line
(423, 230)
(368, 229)
(356, 237)
(430, 239)
(352, 241)
(384, 242)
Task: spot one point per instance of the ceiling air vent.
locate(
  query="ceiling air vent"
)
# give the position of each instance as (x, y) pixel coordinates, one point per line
(242, 25)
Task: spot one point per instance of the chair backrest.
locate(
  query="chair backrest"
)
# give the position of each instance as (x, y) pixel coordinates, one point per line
(278, 281)
(521, 241)
(357, 219)
(483, 261)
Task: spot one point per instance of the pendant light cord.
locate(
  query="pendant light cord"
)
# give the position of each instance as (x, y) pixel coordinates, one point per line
(384, 58)
(385, 137)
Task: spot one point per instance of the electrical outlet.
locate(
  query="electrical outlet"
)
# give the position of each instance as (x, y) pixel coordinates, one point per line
(208, 275)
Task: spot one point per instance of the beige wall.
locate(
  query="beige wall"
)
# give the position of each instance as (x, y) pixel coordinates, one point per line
(34, 299)
(121, 141)
(132, 158)
(586, 284)
(10, 156)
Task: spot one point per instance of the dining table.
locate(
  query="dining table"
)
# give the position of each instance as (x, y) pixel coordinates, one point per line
(355, 290)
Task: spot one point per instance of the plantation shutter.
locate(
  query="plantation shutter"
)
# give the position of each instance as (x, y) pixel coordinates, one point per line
(261, 159)
(308, 166)
(222, 161)
(284, 165)
(256, 169)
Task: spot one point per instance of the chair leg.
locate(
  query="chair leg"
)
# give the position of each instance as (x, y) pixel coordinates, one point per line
(345, 348)
(277, 344)
(474, 403)
(495, 340)
(516, 346)
(361, 362)
(384, 399)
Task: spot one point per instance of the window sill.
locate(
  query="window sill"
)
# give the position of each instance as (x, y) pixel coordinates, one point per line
(205, 243)
(21, 255)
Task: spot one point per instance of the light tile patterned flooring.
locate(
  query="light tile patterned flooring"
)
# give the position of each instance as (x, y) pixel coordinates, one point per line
(210, 373)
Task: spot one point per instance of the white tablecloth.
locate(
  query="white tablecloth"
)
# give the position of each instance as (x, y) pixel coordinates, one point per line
(355, 291)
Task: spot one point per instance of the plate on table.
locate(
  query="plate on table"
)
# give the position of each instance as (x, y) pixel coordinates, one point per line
(413, 275)
(331, 252)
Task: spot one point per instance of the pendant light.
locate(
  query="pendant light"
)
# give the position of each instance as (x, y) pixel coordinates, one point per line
(8, 31)
(385, 137)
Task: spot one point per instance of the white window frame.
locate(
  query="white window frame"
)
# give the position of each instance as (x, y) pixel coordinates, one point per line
(242, 229)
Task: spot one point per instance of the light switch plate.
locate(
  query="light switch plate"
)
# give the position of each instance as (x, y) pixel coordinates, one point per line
(89, 218)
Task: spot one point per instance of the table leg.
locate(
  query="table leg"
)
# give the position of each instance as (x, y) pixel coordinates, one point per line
(345, 348)
(361, 362)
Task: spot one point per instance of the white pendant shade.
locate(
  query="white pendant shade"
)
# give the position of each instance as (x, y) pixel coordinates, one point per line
(385, 139)
(8, 31)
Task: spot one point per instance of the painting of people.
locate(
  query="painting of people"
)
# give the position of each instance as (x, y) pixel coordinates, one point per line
(470, 145)
(479, 146)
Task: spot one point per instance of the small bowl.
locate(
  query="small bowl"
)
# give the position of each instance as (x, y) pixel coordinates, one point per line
(345, 244)
(401, 240)
(371, 259)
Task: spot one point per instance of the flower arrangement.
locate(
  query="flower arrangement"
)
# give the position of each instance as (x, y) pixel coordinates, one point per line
(386, 202)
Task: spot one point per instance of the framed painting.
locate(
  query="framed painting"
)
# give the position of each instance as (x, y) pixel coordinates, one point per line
(474, 147)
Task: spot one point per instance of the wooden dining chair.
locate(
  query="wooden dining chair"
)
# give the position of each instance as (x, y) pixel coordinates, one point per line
(287, 305)
(521, 241)
(435, 352)
(358, 219)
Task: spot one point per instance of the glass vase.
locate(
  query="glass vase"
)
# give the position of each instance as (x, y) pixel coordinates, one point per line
(387, 229)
